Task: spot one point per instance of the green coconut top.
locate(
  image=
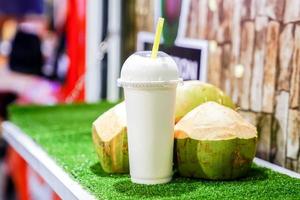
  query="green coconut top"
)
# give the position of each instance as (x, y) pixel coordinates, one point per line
(191, 94)
(212, 121)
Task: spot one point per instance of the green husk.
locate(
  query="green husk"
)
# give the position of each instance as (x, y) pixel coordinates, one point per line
(109, 133)
(217, 160)
(214, 142)
(194, 93)
(113, 155)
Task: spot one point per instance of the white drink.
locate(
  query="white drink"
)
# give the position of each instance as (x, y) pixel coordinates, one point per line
(150, 90)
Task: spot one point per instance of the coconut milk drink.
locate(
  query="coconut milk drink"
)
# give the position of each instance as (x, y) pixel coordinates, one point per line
(150, 88)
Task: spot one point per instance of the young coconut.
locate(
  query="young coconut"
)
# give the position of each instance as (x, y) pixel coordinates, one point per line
(214, 142)
(110, 140)
(110, 129)
(193, 93)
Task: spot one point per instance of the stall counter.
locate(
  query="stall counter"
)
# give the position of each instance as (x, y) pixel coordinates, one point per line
(56, 142)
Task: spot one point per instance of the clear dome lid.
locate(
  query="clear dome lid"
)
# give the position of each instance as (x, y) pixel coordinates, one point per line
(142, 70)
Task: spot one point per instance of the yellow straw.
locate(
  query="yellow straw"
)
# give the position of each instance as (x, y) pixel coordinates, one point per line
(159, 28)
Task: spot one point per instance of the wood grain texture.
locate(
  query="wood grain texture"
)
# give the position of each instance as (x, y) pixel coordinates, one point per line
(215, 66)
(236, 29)
(291, 11)
(260, 7)
(264, 136)
(144, 15)
(295, 79)
(236, 86)
(248, 10)
(246, 59)
(192, 27)
(213, 21)
(226, 73)
(202, 18)
(286, 48)
(274, 9)
(235, 51)
(293, 146)
(291, 164)
(258, 65)
(298, 165)
(281, 117)
(270, 68)
(225, 28)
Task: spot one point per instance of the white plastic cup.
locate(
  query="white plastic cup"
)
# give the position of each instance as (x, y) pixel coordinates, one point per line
(150, 91)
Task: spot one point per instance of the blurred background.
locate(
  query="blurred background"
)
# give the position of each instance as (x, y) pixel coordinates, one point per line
(68, 51)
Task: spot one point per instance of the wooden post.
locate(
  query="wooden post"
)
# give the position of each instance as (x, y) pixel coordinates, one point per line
(293, 146)
(298, 166)
(224, 31)
(260, 7)
(291, 11)
(144, 15)
(236, 29)
(295, 80)
(225, 73)
(281, 117)
(215, 66)
(274, 9)
(192, 24)
(202, 19)
(291, 164)
(213, 21)
(286, 47)
(270, 68)
(235, 51)
(248, 10)
(264, 136)
(258, 66)
(246, 59)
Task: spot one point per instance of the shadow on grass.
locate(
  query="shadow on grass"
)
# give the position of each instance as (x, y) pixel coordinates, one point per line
(175, 188)
(98, 171)
(255, 174)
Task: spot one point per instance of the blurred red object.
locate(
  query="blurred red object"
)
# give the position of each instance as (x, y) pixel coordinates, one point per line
(28, 184)
(73, 89)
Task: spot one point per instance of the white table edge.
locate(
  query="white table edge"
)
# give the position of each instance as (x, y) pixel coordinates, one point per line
(43, 164)
(276, 168)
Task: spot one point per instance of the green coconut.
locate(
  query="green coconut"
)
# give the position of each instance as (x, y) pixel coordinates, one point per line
(193, 93)
(109, 131)
(109, 134)
(214, 142)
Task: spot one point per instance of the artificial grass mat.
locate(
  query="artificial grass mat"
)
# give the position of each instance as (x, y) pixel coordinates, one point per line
(64, 132)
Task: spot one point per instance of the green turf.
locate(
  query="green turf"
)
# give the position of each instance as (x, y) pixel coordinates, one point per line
(65, 133)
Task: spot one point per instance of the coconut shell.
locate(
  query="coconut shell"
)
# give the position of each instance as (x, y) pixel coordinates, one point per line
(109, 134)
(214, 142)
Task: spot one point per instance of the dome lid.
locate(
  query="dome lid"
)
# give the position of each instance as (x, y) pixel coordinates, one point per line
(142, 70)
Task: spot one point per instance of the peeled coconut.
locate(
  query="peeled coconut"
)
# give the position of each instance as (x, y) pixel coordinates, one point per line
(193, 93)
(110, 140)
(214, 142)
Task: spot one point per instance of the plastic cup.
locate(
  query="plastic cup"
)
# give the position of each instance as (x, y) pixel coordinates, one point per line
(150, 89)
